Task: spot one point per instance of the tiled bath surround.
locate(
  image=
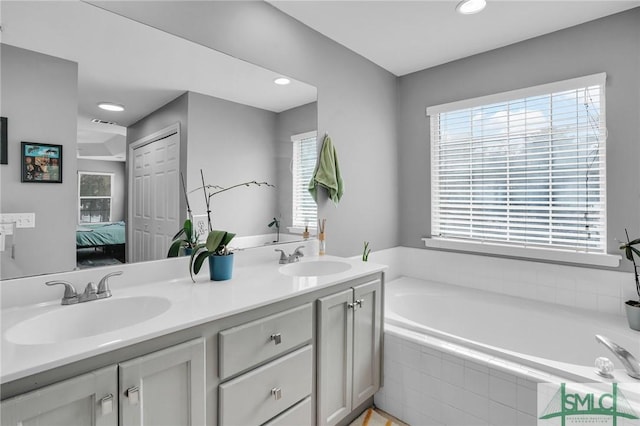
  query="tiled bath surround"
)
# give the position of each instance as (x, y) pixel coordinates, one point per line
(425, 384)
(593, 289)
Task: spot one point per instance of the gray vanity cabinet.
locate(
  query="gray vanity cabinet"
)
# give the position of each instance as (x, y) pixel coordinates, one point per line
(269, 366)
(89, 399)
(164, 387)
(349, 343)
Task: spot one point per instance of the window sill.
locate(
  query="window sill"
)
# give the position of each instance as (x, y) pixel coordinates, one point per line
(532, 253)
(300, 230)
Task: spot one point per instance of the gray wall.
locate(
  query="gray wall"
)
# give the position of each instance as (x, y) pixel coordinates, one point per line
(39, 97)
(356, 102)
(118, 191)
(291, 122)
(610, 44)
(232, 143)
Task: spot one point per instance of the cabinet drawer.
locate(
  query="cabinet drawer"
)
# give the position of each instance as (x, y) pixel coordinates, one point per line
(249, 344)
(263, 393)
(298, 415)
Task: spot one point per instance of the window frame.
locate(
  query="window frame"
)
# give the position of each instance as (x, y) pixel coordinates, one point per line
(297, 227)
(110, 197)
(510, 249)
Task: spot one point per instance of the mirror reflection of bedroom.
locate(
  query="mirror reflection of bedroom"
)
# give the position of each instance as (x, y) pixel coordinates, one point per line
(215, 105)
(100, 234)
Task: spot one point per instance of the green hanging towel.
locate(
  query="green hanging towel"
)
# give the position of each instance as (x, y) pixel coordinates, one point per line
(327, 173)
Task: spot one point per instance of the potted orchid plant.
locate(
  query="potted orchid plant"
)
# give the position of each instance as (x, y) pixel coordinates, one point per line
(216, 248)
(632, 307)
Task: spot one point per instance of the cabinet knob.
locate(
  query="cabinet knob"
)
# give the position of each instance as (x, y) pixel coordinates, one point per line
(360, 302)
(276, 338)
(133, 393)
(351, 306)
(277, 393)
(106, 405)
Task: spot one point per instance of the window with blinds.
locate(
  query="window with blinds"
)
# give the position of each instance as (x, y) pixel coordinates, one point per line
(523, 168)
(302, 167)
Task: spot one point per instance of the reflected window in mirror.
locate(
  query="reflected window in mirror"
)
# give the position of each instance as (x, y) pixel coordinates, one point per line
(302, 166)
(94, 196)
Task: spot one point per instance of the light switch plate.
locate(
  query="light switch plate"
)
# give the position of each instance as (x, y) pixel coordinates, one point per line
(22, 220)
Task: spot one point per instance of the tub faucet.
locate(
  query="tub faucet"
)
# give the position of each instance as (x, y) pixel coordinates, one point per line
(628, 360)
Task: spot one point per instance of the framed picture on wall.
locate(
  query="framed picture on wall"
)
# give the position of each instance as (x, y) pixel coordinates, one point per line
(3, 140)
(41, 162)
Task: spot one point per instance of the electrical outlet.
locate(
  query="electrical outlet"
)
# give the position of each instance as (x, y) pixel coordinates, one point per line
(200, 225)
(22, 220)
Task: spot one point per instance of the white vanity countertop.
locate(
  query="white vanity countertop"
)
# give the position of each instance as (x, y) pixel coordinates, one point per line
(191, 305)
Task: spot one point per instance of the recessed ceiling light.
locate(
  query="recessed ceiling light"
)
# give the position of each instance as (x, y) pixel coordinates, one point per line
(110, 106)
(468, 7)
(282, 81)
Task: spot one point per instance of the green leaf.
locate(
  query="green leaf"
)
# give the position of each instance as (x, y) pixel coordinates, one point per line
(227, 238)
(200, 258)
(174, 250)
(178, 235)
(635, 250)
(634, 242)
(188, 229)
(214, 240)
(628, 253)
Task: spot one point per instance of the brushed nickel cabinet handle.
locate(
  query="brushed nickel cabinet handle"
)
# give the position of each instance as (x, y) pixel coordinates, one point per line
(133, 393)
(277, 393)
(106, 405)
(276, 338)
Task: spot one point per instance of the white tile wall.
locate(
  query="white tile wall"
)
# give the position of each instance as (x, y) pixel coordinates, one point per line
(593, 289)
(426, 386)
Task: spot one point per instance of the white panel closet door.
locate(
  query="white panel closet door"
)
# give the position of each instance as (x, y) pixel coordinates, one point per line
(156, 198)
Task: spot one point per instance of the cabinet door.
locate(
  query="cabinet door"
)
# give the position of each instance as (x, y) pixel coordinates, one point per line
(164, 388)
(366, 340)
(335, 347)
(90, 399)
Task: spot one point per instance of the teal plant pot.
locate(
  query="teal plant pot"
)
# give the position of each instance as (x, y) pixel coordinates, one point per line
(187, 251)
(221, 267)
(633, 315)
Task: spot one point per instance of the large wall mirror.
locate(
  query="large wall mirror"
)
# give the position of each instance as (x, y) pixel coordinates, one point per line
(189, 111)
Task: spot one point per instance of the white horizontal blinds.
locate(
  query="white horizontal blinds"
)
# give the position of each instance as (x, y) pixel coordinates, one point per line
(303, 165)
(528, 171)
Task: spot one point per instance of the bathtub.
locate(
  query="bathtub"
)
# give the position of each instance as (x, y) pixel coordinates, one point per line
(461, 356)
(551, 338)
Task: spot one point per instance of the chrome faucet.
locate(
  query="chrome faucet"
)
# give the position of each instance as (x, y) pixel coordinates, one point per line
(293, 257)
(103, 286)
(91, 292)
(70, 296)
(628, 360)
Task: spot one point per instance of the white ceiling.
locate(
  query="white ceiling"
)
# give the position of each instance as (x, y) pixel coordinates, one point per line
(143, 68)
(407, 36)
(135, 65)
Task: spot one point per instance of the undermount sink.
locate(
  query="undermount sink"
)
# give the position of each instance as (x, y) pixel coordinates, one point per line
(315, 268)
(87, 319)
